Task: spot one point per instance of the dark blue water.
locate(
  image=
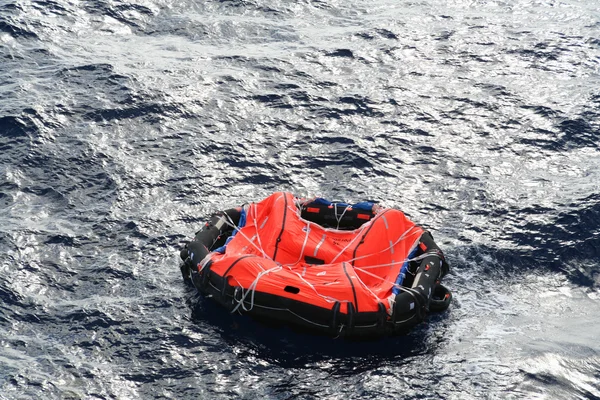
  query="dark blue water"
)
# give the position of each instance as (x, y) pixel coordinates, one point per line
(123, 124)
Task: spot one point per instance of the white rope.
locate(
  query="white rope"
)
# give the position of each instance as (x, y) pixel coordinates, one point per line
(358, 236)
(341, 216)
(393, 283)
(204, 262)
(417, 258)
(251, 241)
(303, 244)
(384, 249)
(253, 209)
(328, 299)
(252, 288)
(254, 216)
(377, 298)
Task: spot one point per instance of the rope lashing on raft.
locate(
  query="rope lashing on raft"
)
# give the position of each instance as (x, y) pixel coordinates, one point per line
(250, 291)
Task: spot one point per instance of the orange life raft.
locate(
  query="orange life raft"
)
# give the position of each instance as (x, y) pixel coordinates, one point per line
(331, 268)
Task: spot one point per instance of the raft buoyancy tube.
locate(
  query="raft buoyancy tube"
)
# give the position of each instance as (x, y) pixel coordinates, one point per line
(213, 234)
(441, 298)
(426, 293)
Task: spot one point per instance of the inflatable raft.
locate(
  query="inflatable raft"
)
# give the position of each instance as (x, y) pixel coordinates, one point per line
(351, 270)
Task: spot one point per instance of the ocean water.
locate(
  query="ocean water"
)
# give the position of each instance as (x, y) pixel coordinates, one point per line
(124, 124)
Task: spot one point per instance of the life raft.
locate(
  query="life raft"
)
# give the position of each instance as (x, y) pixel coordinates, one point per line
(351, 270)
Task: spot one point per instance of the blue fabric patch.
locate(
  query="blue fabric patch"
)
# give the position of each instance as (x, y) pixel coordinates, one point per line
(363, 205)
(240, 225)
(402, 274)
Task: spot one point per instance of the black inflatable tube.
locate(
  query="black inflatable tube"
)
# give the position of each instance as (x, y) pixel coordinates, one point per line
(212, 234)
(426, 293)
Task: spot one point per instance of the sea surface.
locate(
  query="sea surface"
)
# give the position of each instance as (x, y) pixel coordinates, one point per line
(125, 124)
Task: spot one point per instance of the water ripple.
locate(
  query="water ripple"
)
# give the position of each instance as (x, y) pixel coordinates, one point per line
(124, 124)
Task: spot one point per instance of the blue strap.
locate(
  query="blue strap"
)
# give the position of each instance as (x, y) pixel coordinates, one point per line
(402, 274)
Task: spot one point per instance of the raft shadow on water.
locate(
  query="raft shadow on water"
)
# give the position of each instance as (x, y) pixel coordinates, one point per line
(289, 348)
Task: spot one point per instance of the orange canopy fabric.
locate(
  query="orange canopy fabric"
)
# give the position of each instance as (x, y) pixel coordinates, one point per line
(280, 253)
